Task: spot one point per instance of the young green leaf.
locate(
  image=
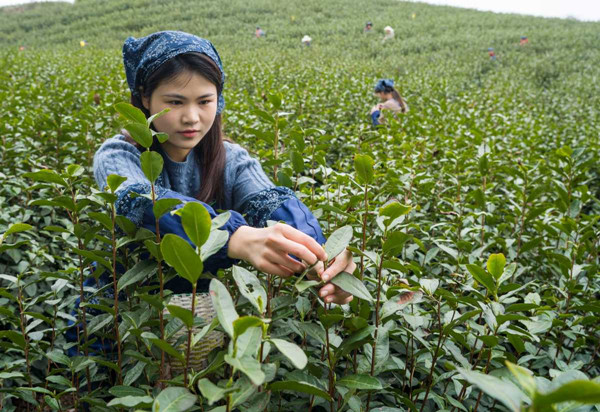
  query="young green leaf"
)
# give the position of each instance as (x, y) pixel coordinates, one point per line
(182, 313)
(338, 241)
(131, 113)
(504, 391)
(152, 164)
(241, 325)
(156, 116)
(352, 285)
(162, 206)
(16, 228)
(251, 288)
(114, 181)
(291, 351)
(174, 399)
(211, 392)
(196, 222)
(363, 165)
(295, 386)
(249, 366)
(140, 133)
(360, 381)
(482, 277)
(179, 254)
(495, 265)
(223, 305)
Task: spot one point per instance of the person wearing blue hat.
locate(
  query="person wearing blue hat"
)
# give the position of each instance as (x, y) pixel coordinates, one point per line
(184, 73)
(390, 100)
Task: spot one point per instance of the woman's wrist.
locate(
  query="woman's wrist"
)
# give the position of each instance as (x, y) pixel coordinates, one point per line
(238, 242)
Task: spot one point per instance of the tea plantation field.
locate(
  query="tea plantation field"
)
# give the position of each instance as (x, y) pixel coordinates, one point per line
(484, 197)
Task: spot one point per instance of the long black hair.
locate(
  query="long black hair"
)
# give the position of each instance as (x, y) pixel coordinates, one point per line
(387, 86)
(210, 152)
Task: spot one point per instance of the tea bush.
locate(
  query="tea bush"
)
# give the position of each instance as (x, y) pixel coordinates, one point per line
(484, 197)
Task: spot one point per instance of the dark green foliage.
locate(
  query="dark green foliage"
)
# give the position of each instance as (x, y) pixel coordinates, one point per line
(483, 196)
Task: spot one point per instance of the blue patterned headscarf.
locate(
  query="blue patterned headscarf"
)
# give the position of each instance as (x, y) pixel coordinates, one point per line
(384, 84)
(143, 56)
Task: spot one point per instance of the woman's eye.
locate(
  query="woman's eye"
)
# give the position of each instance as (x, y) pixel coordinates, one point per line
(174, 102)
(204, 102)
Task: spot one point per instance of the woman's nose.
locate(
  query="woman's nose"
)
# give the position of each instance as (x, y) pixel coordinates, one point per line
(190, 115)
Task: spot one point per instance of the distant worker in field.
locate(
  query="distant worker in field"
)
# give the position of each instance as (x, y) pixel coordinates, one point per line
(259, 32)
(390, 100)
(368, 27)
(388, 33)
(306, 40)
(491, 53)
(83, 43)
(524, 40)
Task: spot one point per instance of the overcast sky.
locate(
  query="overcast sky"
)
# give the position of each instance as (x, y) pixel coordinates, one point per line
(580, 9)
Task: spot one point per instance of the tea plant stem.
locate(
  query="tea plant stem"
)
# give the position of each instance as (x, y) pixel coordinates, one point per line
(364, 230)
(331, 366)
(522, 224)
(484, 371)
(276, 146)
(379, 275)
(75, 220)
(483, 216)
(113, 216)
(24, 333)
(189, 342)
(429, 379)
(161, 282)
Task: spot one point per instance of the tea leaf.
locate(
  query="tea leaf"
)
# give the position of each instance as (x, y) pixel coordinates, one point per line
(292, 352)
(363, 165)
(224, 306)
(152, 164)
(303, 387)
(16, 228)
(495, 265)
(196, 222)
(338, 241)
(352, 285)
(482, 277)
(504, 391)
(251, 288)
(162, 206)
(360, 381)
(131, 113)
(131, 401)
(249, 366)
(580, 391)
(174, 399)
(114, 181)
(182, 313)
(212, 392)
(179, 254)
(241, 325)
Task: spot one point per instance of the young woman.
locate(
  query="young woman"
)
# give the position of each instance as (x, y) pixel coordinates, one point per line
(183, 73)
(390, 100)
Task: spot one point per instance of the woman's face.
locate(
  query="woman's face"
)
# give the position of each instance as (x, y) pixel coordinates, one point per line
(382, 96)
(192, 99)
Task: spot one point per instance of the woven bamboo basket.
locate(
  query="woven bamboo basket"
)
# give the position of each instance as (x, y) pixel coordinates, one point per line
(214, 339)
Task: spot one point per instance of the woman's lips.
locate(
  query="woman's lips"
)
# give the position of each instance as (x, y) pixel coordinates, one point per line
(189, 133)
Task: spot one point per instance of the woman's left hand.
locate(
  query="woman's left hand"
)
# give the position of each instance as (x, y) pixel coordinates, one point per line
(330, 293)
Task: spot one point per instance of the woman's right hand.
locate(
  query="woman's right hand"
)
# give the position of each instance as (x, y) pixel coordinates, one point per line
(268, 249)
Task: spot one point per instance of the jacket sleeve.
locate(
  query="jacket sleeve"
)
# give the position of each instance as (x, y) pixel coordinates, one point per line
(117, 156)
(169, 223)
(281, 204)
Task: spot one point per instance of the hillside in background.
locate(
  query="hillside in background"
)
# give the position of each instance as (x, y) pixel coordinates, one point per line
(490, 184)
